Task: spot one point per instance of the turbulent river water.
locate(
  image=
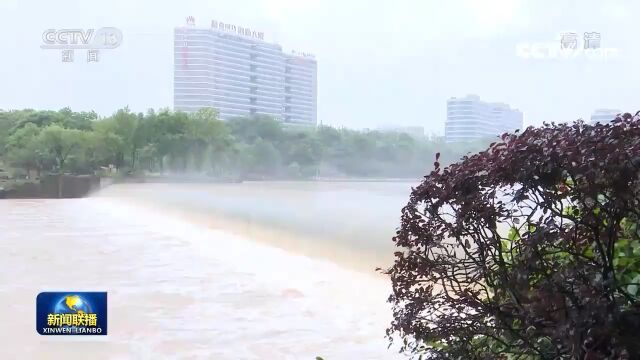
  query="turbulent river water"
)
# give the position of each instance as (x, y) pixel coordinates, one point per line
(201, 271)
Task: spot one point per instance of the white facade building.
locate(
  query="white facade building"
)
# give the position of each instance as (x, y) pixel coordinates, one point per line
(300, 89)
(232, 69)
(469, 118)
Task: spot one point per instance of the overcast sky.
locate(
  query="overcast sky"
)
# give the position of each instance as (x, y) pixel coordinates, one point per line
(379, 62)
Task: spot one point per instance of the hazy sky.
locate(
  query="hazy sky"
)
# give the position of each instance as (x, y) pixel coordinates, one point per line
(379, 62)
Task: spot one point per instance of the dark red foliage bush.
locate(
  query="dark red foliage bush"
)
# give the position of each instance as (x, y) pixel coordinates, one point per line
(528, 250)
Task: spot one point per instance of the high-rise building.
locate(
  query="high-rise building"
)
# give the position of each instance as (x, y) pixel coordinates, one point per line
(469, 118)
(604, 115)
(232, 69)
(300, 89)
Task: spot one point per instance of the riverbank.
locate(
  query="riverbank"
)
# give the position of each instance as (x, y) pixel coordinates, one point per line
(50, 187)
(226, 180)
(78, 186)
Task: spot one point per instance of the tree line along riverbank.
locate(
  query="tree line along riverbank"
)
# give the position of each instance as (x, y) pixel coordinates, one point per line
(163, 143)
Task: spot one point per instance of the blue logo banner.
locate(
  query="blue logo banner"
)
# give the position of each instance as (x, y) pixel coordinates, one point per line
(71, 313)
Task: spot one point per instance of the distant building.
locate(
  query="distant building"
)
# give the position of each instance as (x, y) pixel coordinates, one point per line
(232, 69)
(469, 118)
(604, 115)
(300, 89)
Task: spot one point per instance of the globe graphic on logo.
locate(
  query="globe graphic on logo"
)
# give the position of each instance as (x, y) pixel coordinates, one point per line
(72, 304)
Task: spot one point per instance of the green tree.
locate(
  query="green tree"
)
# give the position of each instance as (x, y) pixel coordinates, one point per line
(63, 144)
(77, 120)
(60, 143)
(119, 131)
(39, 118)
(8, 121)
(264, 158)
(204, 132)
(148, 157)
(24, 149)
(251, 129)
(200, 142)
(305, 151)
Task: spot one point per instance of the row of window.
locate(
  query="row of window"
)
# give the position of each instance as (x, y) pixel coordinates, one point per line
(209, 41)
(229, 52)
(244, 102)
(238, 70)
(190, 82)
(300, 104)
(189, 41)
(218, 86)
(310, 78)
(219, 65)
(249, 54)
(302, 70)
(298, 81)
(301, 65)
(267, 102)
(205, 56)
(294, 100)
(229, 74)
(304, 66)
(230, 91)
(228, 80)
(302, 90)
(227, 93)
(212, 39)
(299, 111)
(239, 40)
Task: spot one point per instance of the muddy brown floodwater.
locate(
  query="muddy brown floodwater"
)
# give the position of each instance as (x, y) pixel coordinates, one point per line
(238, 271)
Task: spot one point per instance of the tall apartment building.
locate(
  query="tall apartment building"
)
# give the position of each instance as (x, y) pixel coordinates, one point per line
(233, 70)
(300, 89)
(469, 118)
(604, 115)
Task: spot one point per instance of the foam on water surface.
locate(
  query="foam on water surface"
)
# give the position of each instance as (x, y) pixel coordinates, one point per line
(178, 289)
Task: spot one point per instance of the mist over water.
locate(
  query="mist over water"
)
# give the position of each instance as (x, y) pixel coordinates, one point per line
(350, 223)
(201, 271)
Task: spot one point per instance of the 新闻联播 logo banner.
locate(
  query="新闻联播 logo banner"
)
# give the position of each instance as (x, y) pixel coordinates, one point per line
(71, 313)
